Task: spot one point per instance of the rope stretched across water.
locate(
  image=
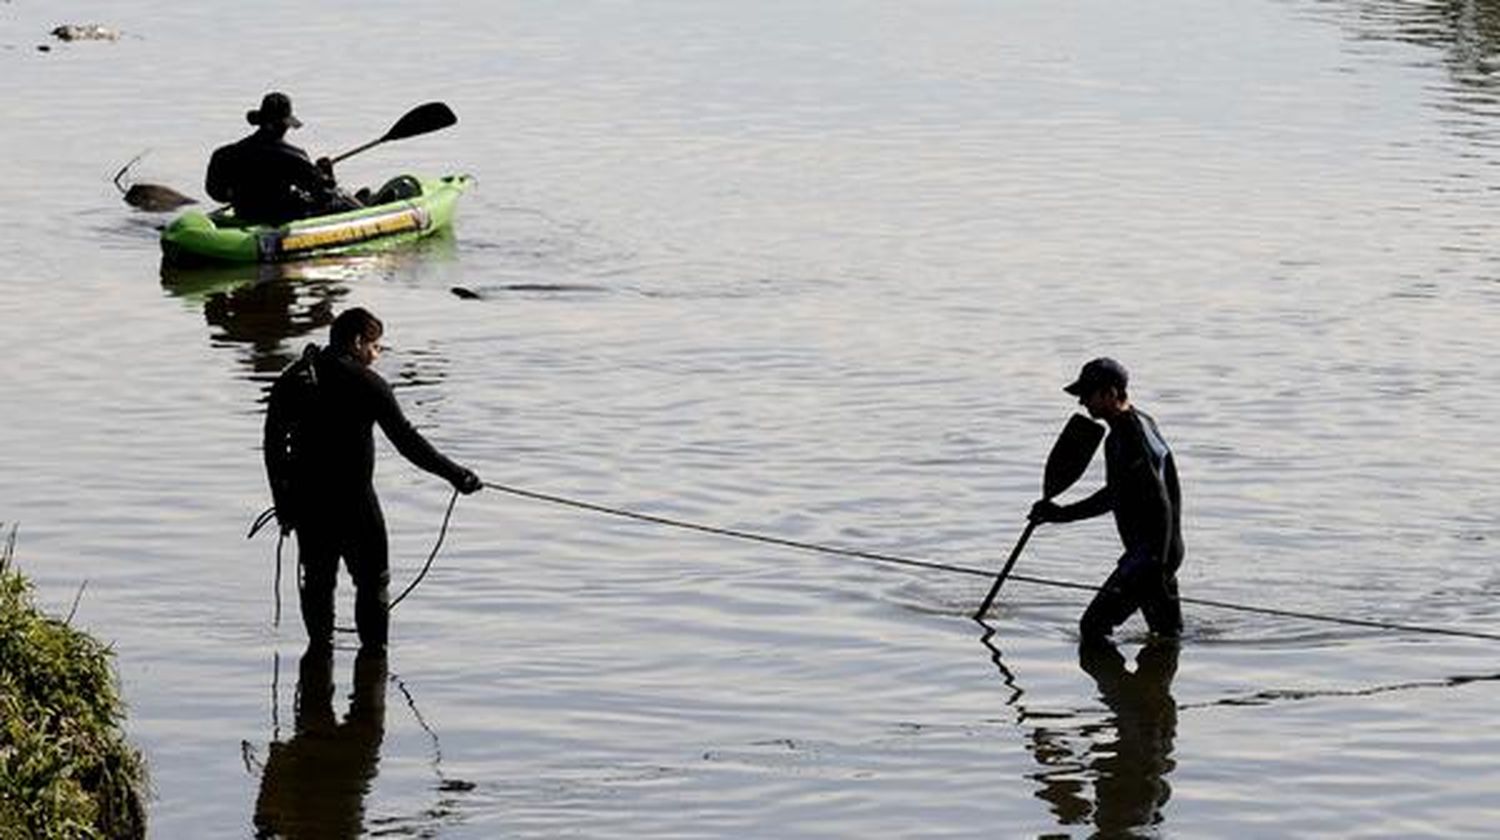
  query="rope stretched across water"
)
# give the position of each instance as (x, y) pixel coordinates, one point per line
(893, 559)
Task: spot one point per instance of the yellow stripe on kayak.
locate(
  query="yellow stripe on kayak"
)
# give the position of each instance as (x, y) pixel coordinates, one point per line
(354, 230)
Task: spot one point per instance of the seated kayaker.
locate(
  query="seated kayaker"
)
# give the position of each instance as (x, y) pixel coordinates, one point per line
(267, 179)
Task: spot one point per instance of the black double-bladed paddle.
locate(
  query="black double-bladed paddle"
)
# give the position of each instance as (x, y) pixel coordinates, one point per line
(1066, 463)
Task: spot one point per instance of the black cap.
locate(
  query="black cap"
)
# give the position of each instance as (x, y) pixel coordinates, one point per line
(275, 109)
(1098, 373)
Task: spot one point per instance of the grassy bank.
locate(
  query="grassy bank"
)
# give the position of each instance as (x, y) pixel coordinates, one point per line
(65, 767)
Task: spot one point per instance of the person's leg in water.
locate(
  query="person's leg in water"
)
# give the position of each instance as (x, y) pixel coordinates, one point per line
(1112, 604)
(368, 559)
(318, 558)
(1160, 604)
(1136, 583)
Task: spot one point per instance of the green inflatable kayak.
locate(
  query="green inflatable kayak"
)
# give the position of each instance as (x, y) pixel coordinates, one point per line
(196, 237)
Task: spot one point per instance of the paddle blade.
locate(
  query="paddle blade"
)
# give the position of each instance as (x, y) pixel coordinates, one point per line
(1066, 463)
(1070, 455)
(420, 120)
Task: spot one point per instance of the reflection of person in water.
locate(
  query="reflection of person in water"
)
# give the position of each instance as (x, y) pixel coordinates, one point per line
(1130, 786)
(1127, 756)
(259, 307)
(314, 785)
(264, 315)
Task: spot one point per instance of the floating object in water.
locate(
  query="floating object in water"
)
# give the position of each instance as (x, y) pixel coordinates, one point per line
(85, 32)
(470, 294)
(153, 198)
(219, 237)
(410, 208)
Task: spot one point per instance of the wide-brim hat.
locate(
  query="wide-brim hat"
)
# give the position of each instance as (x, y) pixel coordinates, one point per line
(275, 109)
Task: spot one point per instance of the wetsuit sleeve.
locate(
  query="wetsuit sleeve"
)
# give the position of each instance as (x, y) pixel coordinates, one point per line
(301, 171)
(1102, 501)
(407, 440)
(313, 179)
(220, 175)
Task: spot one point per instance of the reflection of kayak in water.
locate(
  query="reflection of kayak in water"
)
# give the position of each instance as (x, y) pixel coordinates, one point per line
(198, 280)
(263, 305)
(427, 206)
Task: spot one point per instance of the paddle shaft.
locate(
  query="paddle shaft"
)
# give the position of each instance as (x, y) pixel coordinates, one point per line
(352, 152)
(1005, 572)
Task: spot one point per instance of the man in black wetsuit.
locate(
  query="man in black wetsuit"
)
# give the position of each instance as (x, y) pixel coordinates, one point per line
(320, 458)
(1141, 489)
(267, 179)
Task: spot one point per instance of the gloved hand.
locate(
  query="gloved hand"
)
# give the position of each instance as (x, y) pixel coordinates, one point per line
(325, 165)
(468, 482)
(1046, 511)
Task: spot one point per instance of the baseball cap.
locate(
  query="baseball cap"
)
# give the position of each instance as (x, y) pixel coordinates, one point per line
(1098, 373)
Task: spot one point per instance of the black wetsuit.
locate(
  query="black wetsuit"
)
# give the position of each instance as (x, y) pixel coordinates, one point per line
(334, 508)
(269, 181)
(1141, 489)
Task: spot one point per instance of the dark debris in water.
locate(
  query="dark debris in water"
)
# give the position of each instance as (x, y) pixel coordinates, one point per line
(545, 288)
(153, 198)
(85, 32)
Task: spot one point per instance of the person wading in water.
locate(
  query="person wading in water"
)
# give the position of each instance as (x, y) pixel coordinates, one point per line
(268, 180)
(320, 459)
(1141, 489)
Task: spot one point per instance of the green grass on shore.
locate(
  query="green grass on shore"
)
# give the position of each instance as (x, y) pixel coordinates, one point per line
(65, 767)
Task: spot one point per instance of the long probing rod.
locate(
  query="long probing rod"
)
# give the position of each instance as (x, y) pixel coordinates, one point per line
(989, 599)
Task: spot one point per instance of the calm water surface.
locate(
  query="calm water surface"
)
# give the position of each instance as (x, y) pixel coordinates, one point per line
(815, 270)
